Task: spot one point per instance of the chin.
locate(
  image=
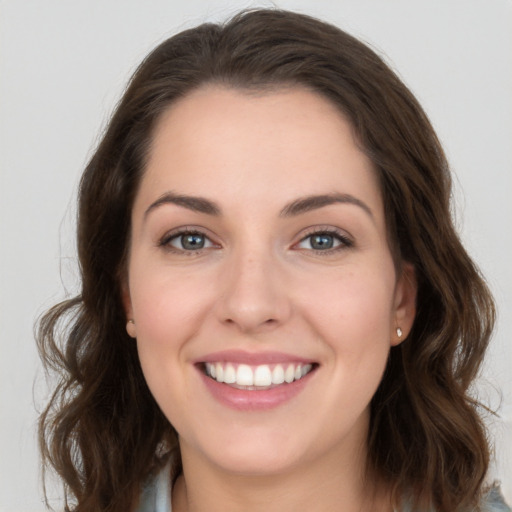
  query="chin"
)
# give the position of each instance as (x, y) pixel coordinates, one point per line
(257, 462)
(253, 453)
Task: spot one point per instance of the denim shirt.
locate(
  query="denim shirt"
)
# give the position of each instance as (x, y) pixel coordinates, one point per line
(156, 496)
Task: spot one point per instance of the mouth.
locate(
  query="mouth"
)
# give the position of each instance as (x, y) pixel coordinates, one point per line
(256, 377)
(255, 382)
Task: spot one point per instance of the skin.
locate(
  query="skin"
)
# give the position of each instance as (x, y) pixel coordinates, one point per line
(260, 285)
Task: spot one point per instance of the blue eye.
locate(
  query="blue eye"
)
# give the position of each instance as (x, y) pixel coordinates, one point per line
(324, 241)
(189, 241)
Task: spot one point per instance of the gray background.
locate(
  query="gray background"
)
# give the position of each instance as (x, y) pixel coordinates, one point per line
(63, 66)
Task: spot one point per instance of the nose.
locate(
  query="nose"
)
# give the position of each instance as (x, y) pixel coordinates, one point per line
(254, 296)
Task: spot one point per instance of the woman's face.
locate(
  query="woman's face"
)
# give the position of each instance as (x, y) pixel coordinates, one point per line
(260, 280)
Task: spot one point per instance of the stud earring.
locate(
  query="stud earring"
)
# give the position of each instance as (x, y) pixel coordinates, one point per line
(130, 328)
(399, 332)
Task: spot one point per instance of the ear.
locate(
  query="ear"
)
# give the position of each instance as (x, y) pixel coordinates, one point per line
(404, 304)
(128, 309)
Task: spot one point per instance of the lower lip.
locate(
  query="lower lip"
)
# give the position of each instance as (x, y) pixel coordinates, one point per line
(254, 400)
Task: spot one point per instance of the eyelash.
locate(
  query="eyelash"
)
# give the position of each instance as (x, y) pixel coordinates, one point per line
(344, 241)
(165, 241)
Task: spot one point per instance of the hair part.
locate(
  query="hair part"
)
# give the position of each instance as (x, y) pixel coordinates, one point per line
(103, 432)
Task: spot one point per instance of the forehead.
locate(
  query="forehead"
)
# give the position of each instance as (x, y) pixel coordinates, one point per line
(272, 145)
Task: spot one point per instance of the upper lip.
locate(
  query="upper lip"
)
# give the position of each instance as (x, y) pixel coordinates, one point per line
(251, 358)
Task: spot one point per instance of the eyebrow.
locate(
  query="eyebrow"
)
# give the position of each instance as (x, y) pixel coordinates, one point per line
(297, 207)
(196, 204)
(308, 203)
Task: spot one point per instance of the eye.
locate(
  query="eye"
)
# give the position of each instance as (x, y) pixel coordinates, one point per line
(187, 241)
(324, 241)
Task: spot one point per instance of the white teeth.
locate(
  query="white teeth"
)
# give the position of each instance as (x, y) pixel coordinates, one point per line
(289, 374)
(219, 370)
(278, 374)
(244, 375)
(258, 376)
(230, 374)
(305, 369)
(262, 376)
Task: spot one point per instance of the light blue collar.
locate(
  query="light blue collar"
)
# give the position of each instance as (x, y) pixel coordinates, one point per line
(156, 496)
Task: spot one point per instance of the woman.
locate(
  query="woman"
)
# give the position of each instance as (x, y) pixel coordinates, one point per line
(276, 312)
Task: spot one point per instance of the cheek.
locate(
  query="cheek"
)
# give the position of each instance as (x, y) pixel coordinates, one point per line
(353, 315)
(167, 312)
(167, 306)
(350, 315)
(353, 302)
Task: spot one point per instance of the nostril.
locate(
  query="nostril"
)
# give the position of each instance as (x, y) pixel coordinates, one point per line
(250, 324)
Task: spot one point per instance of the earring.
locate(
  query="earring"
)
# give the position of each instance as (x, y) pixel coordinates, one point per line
(399, 332)
(130, 328)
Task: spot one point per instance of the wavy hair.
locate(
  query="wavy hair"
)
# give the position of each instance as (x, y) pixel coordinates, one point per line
(103, 432)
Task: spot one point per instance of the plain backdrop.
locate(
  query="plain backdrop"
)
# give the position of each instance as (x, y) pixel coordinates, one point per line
(63, 66)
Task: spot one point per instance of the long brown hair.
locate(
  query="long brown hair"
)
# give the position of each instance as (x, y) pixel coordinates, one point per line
(102, 430)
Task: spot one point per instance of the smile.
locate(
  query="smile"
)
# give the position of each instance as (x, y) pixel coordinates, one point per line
(255, 382)
(259, 377)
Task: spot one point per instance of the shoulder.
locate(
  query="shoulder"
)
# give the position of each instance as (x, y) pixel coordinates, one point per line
(156, 494)
(494, 502)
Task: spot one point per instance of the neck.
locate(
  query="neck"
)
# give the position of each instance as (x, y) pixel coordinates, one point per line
(331, 484)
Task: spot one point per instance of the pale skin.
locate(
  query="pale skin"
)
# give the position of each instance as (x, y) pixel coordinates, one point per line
(274, 270)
